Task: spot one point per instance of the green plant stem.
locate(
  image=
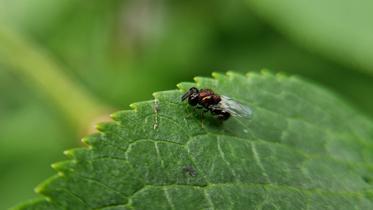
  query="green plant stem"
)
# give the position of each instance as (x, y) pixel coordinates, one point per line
(32, 63)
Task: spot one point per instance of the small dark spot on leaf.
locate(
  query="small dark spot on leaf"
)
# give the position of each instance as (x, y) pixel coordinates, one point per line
(189, 170)
(367, 179)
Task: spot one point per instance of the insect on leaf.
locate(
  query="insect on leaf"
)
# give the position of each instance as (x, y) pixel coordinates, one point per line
(302, 148)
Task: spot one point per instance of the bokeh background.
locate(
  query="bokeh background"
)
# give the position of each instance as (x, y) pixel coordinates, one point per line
(66, 63)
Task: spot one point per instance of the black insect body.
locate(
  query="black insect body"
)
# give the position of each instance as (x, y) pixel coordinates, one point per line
(207, 99)
(220, 106)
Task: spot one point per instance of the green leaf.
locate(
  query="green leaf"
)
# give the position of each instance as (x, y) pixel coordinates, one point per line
(303, 148)
(339, 29)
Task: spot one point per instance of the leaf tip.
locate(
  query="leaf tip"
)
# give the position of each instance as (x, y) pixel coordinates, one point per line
(114, 115)
(42, 188)
(230, 73)
(217, 75)
(63, 166)
(265, 71)
(119, 115)
(197, 79)
(281, 75)
(39, 189)
(54, 166)
(85, 140)
(183, 86)
(104, 126)
(251, 74)
(133, 106)
(69, 153)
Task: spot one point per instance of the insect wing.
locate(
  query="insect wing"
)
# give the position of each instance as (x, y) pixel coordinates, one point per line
(235, 108)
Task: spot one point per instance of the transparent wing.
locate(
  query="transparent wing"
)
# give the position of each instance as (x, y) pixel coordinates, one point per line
(234, 107)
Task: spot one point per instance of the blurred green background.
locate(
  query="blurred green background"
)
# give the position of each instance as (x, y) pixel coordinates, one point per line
(65, 62)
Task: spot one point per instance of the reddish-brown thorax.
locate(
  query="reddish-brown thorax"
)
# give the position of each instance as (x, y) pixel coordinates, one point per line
(208, 97)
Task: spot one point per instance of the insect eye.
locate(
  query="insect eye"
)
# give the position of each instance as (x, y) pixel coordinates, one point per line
(192, 91)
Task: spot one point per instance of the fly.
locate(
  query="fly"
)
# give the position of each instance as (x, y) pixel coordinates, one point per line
(221, 106)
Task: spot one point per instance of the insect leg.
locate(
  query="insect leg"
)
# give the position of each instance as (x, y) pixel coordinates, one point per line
(220, 113)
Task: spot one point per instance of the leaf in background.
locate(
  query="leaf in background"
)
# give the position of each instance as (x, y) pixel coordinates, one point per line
(339, 29)
(125, 49)
(303, 148)
(30, 129)
(25, 15)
